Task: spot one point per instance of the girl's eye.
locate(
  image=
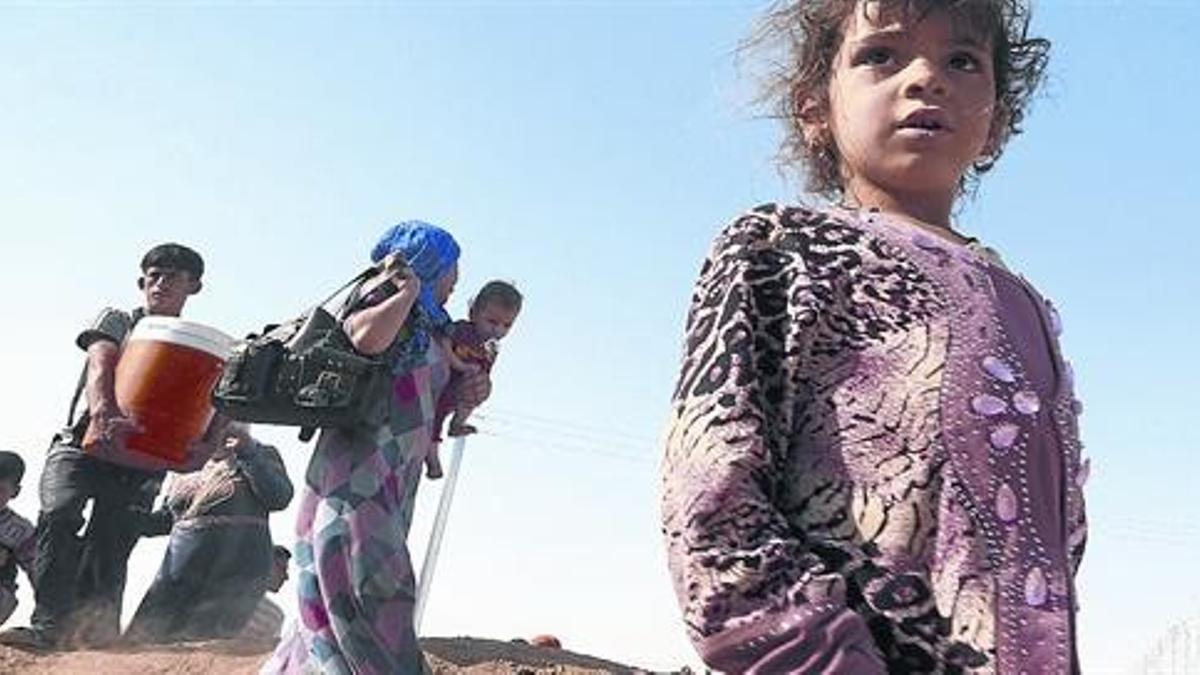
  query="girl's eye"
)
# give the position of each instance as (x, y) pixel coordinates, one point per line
(875, 56)
(965, 62)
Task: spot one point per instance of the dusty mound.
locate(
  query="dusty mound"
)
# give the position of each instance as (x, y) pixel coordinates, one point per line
(484, 657)
(473, 656)
(191, 659)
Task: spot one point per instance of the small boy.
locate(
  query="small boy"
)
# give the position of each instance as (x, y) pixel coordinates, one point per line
(470, 347)
(17, 540)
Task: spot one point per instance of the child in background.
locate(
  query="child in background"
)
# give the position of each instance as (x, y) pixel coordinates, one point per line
(873, 463)
(266, 622)
(471, 347)
(17, 540)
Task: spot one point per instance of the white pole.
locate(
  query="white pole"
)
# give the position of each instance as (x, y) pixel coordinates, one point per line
(439, 529)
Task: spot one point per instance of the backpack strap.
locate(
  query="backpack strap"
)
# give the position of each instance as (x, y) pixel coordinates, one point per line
(78, 393)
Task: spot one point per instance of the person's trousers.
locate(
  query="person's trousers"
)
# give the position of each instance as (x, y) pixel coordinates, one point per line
(79, 579)
(210, 581)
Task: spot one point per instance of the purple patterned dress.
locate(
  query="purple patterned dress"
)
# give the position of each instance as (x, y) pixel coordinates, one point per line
(873, 462)
(356, 582)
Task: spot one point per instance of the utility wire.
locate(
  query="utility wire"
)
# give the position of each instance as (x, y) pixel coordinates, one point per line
(607, 432)
(503, 425)
(544, 443)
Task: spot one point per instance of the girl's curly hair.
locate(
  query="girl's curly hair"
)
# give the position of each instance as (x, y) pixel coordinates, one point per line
(802, 39)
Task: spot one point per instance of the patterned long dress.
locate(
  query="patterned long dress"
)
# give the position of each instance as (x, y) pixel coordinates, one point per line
(873, 463)
(356, 582)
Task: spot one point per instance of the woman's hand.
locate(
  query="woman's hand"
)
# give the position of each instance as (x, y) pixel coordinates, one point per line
(396, 269)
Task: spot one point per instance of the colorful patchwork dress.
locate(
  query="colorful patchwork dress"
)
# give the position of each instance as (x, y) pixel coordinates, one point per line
(356, 582)
(873, 463)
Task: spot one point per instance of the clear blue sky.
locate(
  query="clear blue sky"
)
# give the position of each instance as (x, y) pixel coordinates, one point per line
(588, 151)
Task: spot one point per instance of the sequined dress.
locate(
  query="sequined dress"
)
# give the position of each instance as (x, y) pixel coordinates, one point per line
(873, 460)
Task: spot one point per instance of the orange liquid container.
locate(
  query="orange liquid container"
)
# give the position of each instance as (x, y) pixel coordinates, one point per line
(164, 382)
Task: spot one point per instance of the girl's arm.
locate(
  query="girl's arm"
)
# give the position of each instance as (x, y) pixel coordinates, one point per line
(372, 329)
(755, 595)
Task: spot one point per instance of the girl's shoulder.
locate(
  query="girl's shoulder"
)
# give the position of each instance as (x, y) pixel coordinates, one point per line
(796, 228)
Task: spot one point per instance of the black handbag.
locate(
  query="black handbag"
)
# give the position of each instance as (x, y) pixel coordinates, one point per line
(306, 373)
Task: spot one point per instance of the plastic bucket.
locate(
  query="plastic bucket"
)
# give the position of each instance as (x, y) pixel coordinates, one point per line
(164, 382)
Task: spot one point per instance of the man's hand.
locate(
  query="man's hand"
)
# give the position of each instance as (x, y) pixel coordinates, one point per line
(198, 452)
(119, 454)
(109, 426)
(108, 430)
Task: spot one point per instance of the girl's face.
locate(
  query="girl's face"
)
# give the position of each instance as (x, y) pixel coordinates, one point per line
(911, 105)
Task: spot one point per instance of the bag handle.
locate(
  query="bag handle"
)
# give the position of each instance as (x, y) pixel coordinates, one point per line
(362, 276)
(393, 259)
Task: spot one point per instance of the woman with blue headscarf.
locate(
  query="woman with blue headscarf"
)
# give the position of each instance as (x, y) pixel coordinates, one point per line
(356, 583)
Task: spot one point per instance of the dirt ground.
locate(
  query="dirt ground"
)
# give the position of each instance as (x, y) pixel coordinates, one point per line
(473, 656)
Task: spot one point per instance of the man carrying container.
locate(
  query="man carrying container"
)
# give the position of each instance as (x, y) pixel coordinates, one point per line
(79, 580)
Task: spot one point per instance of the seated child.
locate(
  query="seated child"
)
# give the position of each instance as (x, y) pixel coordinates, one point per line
(17, 541)
(470, 347)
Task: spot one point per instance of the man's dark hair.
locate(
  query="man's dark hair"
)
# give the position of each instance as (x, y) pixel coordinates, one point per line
(12, 467)
(174, 257)
(281, 552)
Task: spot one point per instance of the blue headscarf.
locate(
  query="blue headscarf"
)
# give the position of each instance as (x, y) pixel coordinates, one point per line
(430, 251)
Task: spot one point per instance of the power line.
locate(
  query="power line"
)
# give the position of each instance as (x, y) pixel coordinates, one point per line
(528, 418)
(546, 443)
(563, 431)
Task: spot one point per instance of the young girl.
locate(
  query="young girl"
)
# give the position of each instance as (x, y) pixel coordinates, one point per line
(873, 462)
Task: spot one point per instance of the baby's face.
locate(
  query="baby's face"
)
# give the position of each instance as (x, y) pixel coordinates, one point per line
(494, 320)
